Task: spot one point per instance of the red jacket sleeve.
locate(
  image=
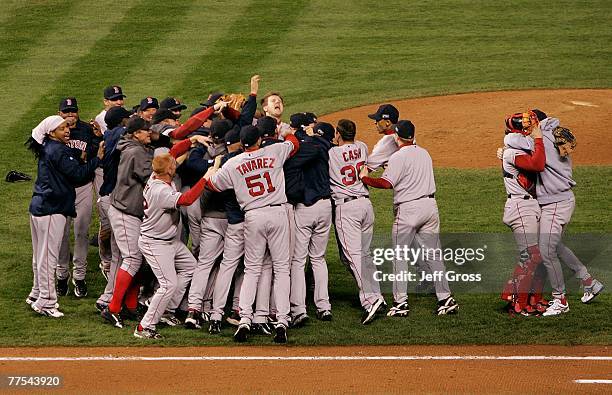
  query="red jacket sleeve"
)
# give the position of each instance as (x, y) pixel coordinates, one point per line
(296, 144)
(180, 148)
(192, 194)
(192, 124)
(377, 182)
(534, 162)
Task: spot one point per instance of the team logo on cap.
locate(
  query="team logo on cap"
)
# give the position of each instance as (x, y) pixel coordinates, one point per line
(116, 88)
(68, 102)
(150, 100)
(385, 116)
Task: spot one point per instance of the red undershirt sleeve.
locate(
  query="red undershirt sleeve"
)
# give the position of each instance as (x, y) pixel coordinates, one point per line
(377, 182)
(534, 162)
(192, 194)
(192, 124)
(296, 144)
(180, 148)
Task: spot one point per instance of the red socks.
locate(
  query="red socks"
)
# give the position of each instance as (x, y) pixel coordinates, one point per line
(123, 280)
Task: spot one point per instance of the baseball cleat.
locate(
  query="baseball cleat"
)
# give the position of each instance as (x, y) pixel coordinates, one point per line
(262, 329)
(447, 306)
(170, 319)
(80, 288)
(30, 300)
(114, 319)
(101, 306)
(242, 333)
(146, 333)
(215, 327)
(592, 291)
(399, 310)
(53, 313)
(234, 318)
(299, 320)
(556, 307)
(61, 287)
(193, 320)
(104, 269)
(131, 315)
(370, 314)
(324, 315)
(205, 316)
(280, 333)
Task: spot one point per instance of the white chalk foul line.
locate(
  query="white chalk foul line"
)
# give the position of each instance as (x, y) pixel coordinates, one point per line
(593, 381)
(319, 358)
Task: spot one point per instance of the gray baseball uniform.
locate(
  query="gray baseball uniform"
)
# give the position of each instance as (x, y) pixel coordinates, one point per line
(126, 229)
(382, 151)
(410, 172)
(170, 260)
(105, 232)
(101, 122)
(258, 180)
(354, 216)
(84, 205)
(45, 255)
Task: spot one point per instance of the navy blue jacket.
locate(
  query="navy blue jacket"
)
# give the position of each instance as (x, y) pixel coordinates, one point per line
(194, 167)
(110, 162)
(59, 172)
(232, 209)
(316, 174)
(82, 138)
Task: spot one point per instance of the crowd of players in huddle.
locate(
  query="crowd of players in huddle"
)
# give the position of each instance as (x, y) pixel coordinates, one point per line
(255, 196)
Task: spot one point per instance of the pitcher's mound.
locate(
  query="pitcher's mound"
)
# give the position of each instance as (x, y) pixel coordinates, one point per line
(464, 130)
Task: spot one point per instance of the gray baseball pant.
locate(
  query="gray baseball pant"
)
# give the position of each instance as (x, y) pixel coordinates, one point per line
(126, 230)
(105, 231)
(354, 227)
(173, 265)
(419, 220)
(84, 205)
(115, 263)
(312, 234)
(555, 216)
(212, 233)
(266, 228)
(46, 241)
(233, 250)
(193, 216)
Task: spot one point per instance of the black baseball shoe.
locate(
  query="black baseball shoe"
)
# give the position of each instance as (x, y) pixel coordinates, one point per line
(146, 333)
(299, 320)
(101, 306)
(242, 333)
(370, 314)
(447, 306)
(234, 318)
(170, 319)
(280, 333)
(61, 287)
(324, 315)
(193, 320)
(262, 329)
(215, 327)
(80, 288)
(114, 319)
(399, 310)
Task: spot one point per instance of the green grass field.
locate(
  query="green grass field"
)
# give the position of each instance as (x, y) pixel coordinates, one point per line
(323, 56)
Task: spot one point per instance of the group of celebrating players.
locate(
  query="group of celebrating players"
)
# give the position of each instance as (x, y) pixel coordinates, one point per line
(256, 198)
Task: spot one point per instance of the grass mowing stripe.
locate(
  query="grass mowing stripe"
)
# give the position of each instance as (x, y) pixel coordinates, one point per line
(28, 25)
(230, 61)
(179, 53)
(34, 86)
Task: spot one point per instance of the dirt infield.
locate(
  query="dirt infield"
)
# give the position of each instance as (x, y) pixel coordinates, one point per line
(463, 131)
(352, 375)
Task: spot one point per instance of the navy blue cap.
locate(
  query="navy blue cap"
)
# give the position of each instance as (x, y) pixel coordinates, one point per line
(135, 124)
(69, 104)
(232, 136)
(162, 114)
(325, 130)
(219, 127)
(249, 136)
(266, 126)
(115, 115)
(172, 104)
(404, 129)
(299, 120)
(113, 92)
(148, 102)
(311, 117)
(212, 99)
(386, 111)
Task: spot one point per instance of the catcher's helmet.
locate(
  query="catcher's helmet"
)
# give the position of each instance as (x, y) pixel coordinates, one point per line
(521, 122)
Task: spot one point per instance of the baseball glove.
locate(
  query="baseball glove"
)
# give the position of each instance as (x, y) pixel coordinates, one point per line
(235, 100)
(521, 122)
(565, 141)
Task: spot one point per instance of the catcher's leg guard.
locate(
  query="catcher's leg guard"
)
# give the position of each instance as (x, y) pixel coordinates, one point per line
(524, 281)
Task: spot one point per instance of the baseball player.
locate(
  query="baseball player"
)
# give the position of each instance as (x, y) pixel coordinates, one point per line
(83, 144)
(556, 199)
(173, 104)
(385, 117)
(147, 108)
(273, 106)
(313, 216)
(522, 212)
(168, 257)
(257, 178)
(354, 215)
(53, 200)
(410, 175)
(113, 97)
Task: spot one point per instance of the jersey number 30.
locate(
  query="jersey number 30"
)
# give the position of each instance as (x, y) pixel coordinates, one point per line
(350, 173)
(257, 187)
